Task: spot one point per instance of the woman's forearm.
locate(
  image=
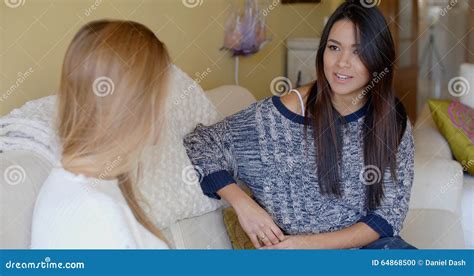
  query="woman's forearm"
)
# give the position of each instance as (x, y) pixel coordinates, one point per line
(357, 235)
(236, 197)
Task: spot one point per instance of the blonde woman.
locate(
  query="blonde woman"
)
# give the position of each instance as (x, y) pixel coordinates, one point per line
(112, 90)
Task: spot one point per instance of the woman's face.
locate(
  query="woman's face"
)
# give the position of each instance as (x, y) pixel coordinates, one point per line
(344, 70)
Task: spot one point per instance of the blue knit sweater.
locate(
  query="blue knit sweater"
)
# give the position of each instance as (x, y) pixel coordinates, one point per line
(265, 147)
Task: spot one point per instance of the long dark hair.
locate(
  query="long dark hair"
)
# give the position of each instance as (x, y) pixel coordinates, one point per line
(385, 119)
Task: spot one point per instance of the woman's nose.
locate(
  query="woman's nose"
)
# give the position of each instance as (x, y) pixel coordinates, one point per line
(344, 60)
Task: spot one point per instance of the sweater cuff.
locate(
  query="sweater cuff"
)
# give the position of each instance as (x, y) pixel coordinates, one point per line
(215, 181)
(379, 224)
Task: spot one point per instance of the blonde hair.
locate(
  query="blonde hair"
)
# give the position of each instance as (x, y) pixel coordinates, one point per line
(112, 93)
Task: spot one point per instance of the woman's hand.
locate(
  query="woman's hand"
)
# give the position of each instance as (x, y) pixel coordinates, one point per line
(258, 224)
(255, 221)
(295, 242)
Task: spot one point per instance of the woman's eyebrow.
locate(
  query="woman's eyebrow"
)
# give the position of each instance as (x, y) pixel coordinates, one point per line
(339, 43)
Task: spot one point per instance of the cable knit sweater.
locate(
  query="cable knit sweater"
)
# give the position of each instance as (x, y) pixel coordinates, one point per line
(264, 146)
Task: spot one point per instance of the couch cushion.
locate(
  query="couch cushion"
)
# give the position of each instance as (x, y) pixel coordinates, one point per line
(438, 184)
(230, 99)
(445, 230)
(23, 174)
(455, 121)
(170, 183)
(202, 232)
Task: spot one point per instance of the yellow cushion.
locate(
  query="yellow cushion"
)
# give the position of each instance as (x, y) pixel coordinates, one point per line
(455, 122)
(237, 235)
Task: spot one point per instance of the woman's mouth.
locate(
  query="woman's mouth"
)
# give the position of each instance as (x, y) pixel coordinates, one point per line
(341, 78)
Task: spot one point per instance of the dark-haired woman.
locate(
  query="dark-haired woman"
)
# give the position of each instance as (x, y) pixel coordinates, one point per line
(329, 166)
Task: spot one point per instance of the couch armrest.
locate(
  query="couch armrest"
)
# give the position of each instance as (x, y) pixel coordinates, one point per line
(23, 174)
(230, 99)
(433, 229)
(437, 184)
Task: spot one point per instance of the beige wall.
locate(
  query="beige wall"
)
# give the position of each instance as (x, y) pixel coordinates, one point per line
(34, 37)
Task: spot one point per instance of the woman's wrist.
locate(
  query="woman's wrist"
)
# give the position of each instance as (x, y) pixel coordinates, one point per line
(313, 241)
(236, 197)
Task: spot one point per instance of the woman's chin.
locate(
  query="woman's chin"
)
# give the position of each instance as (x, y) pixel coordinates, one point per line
(343, 91)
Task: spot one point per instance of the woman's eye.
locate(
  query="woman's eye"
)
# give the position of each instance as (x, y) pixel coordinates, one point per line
(333, 48)
(356, 52)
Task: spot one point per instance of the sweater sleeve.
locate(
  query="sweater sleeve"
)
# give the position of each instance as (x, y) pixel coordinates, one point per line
(210, 150)
(387, 219)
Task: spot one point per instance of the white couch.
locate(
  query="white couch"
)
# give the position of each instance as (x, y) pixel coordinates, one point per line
(435, 204)
(442, 195)
(431, 223)
(17, 202)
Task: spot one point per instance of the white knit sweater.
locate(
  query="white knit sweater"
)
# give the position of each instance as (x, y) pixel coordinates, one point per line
(77, 212)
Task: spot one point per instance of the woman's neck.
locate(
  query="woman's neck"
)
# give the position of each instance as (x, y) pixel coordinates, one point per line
(88, 170)
(346, 104)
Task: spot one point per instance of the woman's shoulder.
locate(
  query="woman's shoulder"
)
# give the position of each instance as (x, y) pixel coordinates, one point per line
(63, 186)
(291, 100)
(68, 211)
(69, 197)
(247, 117)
